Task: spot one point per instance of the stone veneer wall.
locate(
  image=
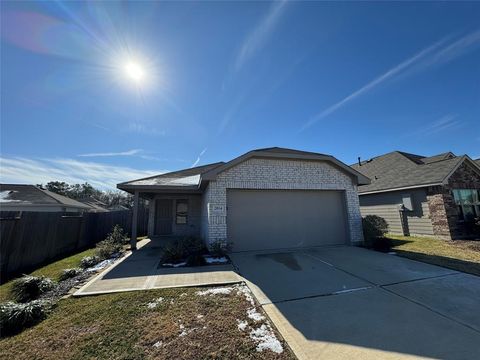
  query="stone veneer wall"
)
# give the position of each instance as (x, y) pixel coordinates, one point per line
(443, 211)
(259, 173)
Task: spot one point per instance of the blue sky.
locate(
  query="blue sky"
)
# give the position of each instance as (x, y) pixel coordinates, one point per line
(222, 78)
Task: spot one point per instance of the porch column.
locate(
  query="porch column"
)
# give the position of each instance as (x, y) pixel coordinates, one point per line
(133, 239)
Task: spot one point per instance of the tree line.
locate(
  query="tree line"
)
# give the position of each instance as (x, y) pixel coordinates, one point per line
(86, 190)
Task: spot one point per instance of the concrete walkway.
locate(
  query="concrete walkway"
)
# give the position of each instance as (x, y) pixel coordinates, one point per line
(352, 303)
(140, 271)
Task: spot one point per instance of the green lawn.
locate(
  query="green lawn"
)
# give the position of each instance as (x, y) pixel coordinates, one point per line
(459, 255)
(52, 270)
(182, 325)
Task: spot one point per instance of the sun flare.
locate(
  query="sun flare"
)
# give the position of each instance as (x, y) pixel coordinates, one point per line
(134, 71)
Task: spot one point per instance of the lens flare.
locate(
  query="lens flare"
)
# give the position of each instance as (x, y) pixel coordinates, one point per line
(134, 71)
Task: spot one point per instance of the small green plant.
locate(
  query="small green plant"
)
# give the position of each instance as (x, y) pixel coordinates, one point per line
(374, 230)
(29, 287)
(106, 248)
(69, 273)
(220, 248)
(181, 249)
(16, 317)
(118, 235)
(89, 261)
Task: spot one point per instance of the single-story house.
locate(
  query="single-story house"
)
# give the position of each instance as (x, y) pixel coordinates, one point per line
(417, 195)
(265, 199)
(94, 204)
(14, 197)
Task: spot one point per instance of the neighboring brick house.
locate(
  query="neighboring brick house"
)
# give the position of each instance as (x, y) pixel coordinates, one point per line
(265, 199)
(417, 195)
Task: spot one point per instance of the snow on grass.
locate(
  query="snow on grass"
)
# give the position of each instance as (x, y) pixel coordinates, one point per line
(154, 303)
(180, 264)
(102, 265)
(216, 291)
(266, 339)
(242, 325)
(215, 260)
(255, 315)
(158, 344)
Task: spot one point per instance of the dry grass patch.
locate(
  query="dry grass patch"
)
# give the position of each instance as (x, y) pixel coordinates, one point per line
(167, 323)
(462, 255)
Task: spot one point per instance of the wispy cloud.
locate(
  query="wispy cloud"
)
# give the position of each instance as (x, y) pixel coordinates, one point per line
(195, 163)
(35, 171)
(445, 122)
(260, 34)
(440, 52)
(121, 153)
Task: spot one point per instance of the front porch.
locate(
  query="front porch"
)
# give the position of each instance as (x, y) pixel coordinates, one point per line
(170, 215)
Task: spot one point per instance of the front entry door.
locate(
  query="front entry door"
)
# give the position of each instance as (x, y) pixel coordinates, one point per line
(163, 216)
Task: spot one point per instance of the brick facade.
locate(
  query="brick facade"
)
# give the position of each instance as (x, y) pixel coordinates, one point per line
(259, 173)
(444, 211)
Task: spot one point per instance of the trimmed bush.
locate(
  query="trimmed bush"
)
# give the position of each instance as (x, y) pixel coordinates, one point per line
(106, 248)
(118, 235)
(219, 248)
(16, 317)
(89, 261)
(29, 287)
(181, 249)
(374, 227)
(69, 273)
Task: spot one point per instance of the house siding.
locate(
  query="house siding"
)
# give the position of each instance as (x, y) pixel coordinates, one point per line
(259, 173)
(387, 205)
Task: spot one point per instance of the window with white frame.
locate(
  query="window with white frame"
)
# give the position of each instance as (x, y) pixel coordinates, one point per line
(468, 203)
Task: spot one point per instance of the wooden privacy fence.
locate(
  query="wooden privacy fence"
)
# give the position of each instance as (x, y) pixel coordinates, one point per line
(29, 239)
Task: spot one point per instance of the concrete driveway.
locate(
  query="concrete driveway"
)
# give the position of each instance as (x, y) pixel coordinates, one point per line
(347, 302)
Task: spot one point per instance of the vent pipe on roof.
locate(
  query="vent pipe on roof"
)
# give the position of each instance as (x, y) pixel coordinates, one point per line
(359, 162)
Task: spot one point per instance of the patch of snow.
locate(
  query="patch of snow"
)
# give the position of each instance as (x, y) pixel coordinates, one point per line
(255, 315)
(266, 339)
(187, 180)
(158, 344)
(154, 303)
(101, 265)
(180, 264)
(215, 260)
(5, 197)
(216, 291)
(245, 291)
(199, 316)
(242, 325)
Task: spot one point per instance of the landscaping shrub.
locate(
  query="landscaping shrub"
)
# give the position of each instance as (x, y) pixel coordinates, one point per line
(106, 248)
(118, 236)
(195, 260)
(89, 261)
(16, 317)
(374, 227)
(219, 248)
(69, 273)
(181, 249)
(29, 287)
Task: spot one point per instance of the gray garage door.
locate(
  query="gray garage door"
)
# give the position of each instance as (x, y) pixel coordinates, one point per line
(275, 219)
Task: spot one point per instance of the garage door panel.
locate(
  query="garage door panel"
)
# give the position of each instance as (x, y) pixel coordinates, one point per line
(273, 219)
